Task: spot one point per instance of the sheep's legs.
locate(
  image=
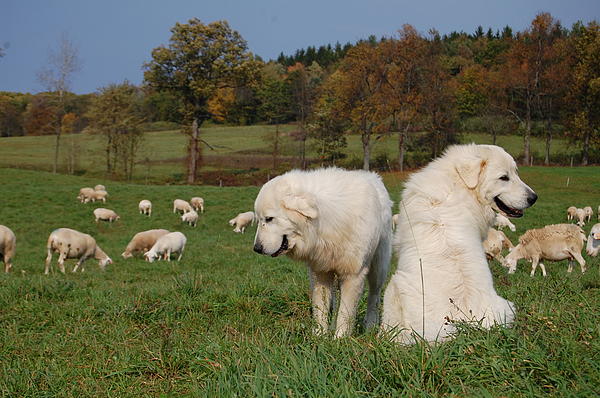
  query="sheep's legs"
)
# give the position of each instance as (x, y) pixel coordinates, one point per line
(580, 260)
(61, 262)
(534, 264)
(543, 269)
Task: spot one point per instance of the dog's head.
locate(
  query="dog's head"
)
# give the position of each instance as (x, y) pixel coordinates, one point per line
(492, 173)
(283, 214)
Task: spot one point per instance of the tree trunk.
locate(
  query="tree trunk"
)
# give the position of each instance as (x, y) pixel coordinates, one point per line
(366, 138)
(194, 153)
(56, 146)
(586, 148)
(527, 135)
(108, 146)
(548, 141)
(276, 146)
(401, 149)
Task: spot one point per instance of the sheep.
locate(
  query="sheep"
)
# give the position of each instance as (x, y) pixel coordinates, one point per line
(395, 219)
(85, 194)
(173, 242)
(99, 187)
(593, 241)
(580, 216)
(588, 213)
(571, 212)
(241, 221)
(145, 207)
(197, 203)
(8, 245)
(191, 217)
(552, 242)
(180, 205)
(501, 221)
(105, 215)
(74, 244)
(143, 241)
(494, 243)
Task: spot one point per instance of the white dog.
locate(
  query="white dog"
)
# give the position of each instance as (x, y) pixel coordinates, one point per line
(445, 213)
(339, 223)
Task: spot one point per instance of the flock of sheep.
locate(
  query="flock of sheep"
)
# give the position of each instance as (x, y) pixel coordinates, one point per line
(153, 244)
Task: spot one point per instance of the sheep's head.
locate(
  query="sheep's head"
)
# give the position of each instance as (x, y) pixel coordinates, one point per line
(104, 262)
(150, 256)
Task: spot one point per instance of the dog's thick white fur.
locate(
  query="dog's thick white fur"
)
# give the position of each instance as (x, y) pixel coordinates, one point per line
(339, 223)
(442, 273)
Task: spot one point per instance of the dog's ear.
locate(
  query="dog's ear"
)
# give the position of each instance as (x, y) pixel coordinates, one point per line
(470, 170)
(304, 204)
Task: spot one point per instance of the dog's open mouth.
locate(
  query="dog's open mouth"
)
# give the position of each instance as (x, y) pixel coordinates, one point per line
(509, 211)
(282, 248)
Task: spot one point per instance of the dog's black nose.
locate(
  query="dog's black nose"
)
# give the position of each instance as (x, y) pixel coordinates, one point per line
(532, 198)
(258, 248)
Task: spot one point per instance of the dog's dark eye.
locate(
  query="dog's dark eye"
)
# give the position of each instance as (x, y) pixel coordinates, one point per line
(504, 178)
(268, 219)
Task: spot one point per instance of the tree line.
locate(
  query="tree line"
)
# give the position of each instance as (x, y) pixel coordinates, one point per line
(422, 88)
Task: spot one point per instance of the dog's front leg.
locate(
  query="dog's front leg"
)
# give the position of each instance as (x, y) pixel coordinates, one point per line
(322, 286)
(351, 288)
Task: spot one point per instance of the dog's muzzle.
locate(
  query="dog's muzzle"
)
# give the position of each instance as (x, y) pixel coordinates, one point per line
(284, 246)
(509, 211)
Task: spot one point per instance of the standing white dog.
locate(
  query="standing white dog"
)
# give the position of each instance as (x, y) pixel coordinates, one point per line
(446, 211)
(339, 223)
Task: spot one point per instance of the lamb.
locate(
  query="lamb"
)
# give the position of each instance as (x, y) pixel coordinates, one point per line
(501, 221)
(197, 203)
(145, 207)
(180, 205)
(85, 194)
(191, 217)
(571, 212)
(105, 215)
(8, 245)
(588, 213)
(552, 242)
(143, 241)
(99, 187)
(580, 215)
(593, 241)
(494, 243)
(99, 196)
(241, 221)
(173, 242)
(74, 244)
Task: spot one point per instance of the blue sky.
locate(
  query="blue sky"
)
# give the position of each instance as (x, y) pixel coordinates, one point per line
(115, 37)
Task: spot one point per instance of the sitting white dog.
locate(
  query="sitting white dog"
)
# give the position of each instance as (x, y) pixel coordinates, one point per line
(445, 213)
(339, 223)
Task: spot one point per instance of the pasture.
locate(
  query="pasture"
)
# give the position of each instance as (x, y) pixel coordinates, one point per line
(226, 322)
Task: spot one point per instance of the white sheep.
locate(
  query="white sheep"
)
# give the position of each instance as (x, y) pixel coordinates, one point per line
(241, 221)
(191, 217)
(553, 242)
(588, 213)
(143, 241)
(180, 205)
(103, 214)
(145, 207)
(69, 243)
(580, 216)
(86, 194)
(571, 212)
(99, 187)
(99, 196)
(173, 242)
(8, 245)
(494, 243)
(593, 241)
(197, 203)
(501, 221)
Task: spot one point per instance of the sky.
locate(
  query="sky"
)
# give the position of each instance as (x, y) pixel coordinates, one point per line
(114, 38)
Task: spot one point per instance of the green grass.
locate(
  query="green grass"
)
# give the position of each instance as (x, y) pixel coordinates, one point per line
(226, 322)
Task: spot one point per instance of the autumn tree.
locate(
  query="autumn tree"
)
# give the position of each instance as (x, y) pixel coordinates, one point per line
(199, 60)
(39, 117)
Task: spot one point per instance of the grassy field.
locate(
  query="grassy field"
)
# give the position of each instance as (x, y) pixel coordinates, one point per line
(226, 322)
(234, 149)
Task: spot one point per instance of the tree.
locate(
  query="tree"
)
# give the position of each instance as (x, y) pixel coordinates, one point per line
(115, 113)
(200, 60)
(39, 117)
(56, 77)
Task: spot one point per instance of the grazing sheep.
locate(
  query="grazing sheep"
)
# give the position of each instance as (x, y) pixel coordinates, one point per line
(501, 221)
(395, 219)
(593, 241)
(191, 217)
(85, 195)
(180, 205)
(588, 213)
(145, 207)
(580, 216)
(99, 196)
(241, 221)
(143, 241)
(173, 242)
(99, 187)
(105, 215)
(69, 243)
(8, 245)
(571, 212)
(494, 243)
(552, 242)
(197, 203)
